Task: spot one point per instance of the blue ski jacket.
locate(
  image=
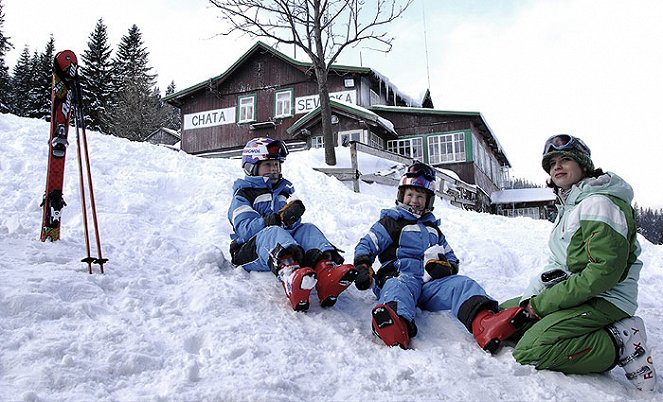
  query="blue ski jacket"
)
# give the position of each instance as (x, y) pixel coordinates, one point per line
(254, 198)
(399, 240)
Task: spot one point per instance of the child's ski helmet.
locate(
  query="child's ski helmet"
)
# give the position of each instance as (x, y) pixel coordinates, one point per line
(420, 176)
(262, 149)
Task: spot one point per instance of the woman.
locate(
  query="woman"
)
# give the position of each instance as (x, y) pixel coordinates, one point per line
(584, 302)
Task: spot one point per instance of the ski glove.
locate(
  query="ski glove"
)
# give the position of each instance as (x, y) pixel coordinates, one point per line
(439, 268)
(364, 278)
(553, 277)
(531, 314)
(291, 212)
(272, 220)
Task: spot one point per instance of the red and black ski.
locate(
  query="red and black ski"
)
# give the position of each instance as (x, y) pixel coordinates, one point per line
(65, 72)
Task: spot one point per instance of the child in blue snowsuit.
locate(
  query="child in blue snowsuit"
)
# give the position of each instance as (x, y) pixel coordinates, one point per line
(418, 268)
(269, 234)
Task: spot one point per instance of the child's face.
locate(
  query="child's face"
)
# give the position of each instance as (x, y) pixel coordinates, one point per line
(271, 168)
(415, 198)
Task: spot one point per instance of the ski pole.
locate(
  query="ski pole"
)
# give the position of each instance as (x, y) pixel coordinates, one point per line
(79, 112)
(89, 260)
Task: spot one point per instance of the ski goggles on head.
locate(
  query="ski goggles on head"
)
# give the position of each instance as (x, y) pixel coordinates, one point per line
(565, 142)
(277, 150)
(421, 170)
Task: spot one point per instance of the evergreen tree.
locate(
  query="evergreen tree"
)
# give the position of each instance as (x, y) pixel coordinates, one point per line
(172, 113)
(136, 113)
(650, 224)
(21, 83)
(96, 79)
(5, 78)
(523, 183)
(34, 91)
(44, 81)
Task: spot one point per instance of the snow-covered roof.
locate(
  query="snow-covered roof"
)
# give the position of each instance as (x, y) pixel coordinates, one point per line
(350, 108)
(175, 98)
(522, 195)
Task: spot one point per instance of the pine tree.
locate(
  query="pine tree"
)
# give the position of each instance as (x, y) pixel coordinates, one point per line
(21, 83)
(44, 78)
(5, 78)
(96, 78)
(172, 113)
(523, 183)
(136, 113)
(34, 91)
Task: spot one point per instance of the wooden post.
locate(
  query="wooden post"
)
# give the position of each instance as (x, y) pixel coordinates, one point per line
(355, 166)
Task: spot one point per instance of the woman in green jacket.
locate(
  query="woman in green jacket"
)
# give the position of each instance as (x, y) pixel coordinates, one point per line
(582, 307)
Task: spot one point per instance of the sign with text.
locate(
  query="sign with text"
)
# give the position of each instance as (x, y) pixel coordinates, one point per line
(209, 118)
(305, 104)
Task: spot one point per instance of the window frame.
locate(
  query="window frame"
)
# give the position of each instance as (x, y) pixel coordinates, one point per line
(291, 104)
(402, 143)
(241, 107)
(317, 141)
(435, 148)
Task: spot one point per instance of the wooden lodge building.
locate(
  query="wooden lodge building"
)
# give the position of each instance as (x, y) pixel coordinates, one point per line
(268, 94)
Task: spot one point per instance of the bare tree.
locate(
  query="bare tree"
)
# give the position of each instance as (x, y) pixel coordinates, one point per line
(321, 28)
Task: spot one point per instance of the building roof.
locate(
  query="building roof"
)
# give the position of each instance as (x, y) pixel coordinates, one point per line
(512, 196)
(175, 99)
(346, 108)
(480, 121)
(165, 130)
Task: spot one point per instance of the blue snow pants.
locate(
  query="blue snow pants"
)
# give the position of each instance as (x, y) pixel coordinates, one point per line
(410, 292)
(306, 235)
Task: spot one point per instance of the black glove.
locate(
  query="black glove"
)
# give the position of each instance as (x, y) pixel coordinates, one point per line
(529, 312)
(364, 278)
(291, 212)
(440, 267)
(272, 220)
(553, 277)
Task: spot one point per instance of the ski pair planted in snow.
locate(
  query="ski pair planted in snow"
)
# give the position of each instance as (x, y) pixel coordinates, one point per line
(66, 100)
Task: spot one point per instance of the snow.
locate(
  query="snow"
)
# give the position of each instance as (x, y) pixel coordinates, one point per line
(172, 320)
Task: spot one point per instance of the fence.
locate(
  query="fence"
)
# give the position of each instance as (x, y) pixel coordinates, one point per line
(456, 191)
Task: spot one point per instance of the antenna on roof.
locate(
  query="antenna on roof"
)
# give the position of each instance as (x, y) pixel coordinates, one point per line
(423, 15)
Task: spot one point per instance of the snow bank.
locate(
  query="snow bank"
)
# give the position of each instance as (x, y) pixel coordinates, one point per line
(172, 320)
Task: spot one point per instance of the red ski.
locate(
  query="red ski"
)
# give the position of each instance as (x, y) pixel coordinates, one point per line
(65, 72)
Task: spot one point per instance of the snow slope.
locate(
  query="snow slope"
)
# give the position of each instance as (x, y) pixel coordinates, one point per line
(172, 320)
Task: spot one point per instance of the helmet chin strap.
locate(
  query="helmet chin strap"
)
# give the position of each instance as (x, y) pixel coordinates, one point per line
(273, 177)
(418, 212)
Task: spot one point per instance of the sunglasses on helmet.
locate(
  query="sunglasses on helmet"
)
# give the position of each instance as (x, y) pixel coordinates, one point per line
(421, 170)
(565, 142)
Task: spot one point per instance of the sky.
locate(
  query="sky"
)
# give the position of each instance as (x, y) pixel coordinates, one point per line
(590, 68)
(172, 320)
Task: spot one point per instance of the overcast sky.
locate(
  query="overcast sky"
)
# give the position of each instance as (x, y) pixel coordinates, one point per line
(592, 68)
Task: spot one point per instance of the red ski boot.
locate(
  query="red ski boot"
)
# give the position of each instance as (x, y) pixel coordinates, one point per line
(491, 329)
(297, 282)
(388, 326)
(332, 280)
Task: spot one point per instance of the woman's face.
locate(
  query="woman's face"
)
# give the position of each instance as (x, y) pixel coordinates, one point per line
(565, 172)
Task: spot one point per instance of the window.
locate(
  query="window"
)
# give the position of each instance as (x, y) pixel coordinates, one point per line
(410, 147)
(283, 103)
(375, 141)
(247, 109)
(534, 213)
(358, 135)
(374, 98)
(317, 142)
(446, 148)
